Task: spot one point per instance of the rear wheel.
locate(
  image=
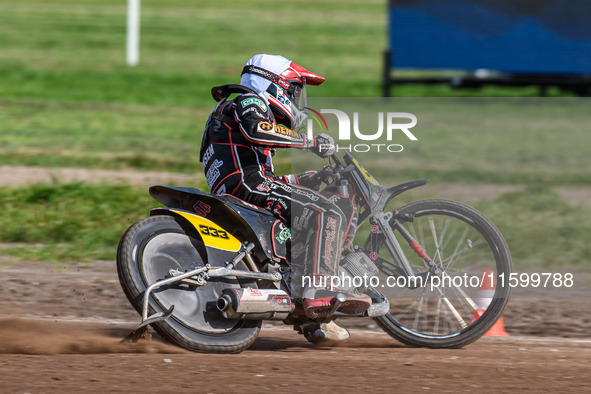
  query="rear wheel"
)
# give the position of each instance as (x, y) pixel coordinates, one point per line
(467, 298)
(146, 253)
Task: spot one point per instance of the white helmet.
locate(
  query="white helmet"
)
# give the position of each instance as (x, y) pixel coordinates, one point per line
(282, 83)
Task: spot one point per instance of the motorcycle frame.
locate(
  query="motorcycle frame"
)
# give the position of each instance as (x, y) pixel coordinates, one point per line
(375, 198)
(198, 277)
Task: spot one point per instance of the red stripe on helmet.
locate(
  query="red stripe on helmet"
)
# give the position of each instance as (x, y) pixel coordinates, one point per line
(297, 72)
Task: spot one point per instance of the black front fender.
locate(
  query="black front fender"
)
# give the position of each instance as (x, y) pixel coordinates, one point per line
(388, 194)
(399, 189)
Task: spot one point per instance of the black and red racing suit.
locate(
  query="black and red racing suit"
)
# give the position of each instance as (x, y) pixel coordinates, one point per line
(237, 152)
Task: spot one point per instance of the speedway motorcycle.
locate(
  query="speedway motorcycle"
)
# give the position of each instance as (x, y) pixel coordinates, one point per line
(205, 270)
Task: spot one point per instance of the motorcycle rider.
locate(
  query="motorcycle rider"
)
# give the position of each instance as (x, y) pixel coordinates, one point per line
(239, 143)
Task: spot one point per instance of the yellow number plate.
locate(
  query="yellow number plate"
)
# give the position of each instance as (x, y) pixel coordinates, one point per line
(212, 234)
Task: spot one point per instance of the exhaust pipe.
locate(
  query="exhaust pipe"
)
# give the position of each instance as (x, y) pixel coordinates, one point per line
(255, 304)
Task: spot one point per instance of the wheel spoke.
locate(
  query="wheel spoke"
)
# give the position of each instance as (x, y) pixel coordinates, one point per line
(451, 235)
(435, 239)
(457, 249)
(468, 299)
(437, 312)
(452, 259)
(415, 324)
(443, 233)
(453, 310)
(463, 299)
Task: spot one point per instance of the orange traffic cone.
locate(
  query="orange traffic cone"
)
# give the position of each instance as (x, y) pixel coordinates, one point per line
(486, 294)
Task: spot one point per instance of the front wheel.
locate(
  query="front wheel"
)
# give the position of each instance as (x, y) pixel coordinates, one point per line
(147, 252)
(466, 297)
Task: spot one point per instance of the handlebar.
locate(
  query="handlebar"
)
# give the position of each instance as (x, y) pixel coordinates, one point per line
(324, 174)
(335, 158)
(333, 171)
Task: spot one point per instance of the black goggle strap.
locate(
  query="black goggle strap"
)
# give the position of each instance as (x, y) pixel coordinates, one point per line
(277, 79)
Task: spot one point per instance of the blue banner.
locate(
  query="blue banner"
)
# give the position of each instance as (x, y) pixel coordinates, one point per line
(510, 36)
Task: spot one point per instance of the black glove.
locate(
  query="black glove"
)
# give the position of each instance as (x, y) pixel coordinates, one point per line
(308, 179)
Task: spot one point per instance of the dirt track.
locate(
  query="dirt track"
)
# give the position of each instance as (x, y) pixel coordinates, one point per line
(60, 331)
(281, 362)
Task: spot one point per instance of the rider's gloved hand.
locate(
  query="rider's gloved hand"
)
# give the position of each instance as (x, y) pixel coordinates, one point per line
(308, 179)
(323, 145)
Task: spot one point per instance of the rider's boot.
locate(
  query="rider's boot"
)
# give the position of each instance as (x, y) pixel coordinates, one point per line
(320, 303)
(323, 334)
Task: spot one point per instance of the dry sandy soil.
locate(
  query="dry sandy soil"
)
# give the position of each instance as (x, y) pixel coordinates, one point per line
(61, 326)
(60, 331)
(21, 176)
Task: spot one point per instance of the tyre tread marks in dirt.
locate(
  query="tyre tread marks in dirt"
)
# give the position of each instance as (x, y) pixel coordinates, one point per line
(128, 268)
(503, 262)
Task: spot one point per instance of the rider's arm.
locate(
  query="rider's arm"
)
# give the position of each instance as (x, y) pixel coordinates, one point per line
(258, 126)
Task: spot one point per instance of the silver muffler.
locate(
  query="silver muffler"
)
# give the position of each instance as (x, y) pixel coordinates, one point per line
(255, 304)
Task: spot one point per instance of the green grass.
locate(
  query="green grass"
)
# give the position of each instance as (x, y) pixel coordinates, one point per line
(68, 99)
(69, 222)
(100, 136)
(542, 230)
(74, 51)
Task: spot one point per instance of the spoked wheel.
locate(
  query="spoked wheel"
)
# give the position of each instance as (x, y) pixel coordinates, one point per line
(147, 252)
(466, 297)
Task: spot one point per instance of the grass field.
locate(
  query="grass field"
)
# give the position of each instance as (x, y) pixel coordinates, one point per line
(67, 99)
